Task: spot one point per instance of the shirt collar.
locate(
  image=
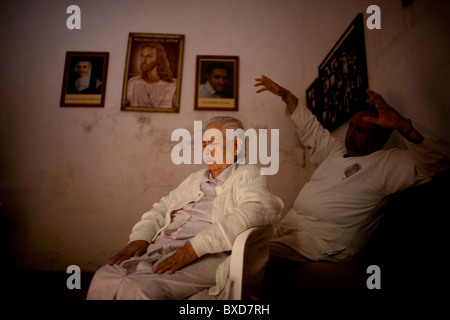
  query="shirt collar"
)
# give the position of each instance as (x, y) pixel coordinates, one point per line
(223, 176)
(210, 88)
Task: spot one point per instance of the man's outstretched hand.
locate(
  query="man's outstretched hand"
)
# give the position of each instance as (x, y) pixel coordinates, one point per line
(268, 85)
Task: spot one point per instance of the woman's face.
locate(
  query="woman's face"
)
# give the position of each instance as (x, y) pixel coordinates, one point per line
(82, 68)
(214, 149)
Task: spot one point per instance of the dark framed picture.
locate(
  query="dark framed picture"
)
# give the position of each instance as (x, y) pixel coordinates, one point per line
(84, 82)
(340, 89)
(153, 73)
(217, 83)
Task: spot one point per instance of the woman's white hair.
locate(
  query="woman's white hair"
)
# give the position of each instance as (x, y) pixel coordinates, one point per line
(226, 122)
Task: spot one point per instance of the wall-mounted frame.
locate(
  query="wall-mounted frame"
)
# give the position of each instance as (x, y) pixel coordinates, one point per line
(84, 81)
(340, 89)
(153, 72)
(217, 83)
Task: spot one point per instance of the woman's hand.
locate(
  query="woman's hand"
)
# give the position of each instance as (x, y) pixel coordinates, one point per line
(182, 257)
(134, 249)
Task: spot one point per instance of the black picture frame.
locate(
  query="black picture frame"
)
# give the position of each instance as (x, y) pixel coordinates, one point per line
(340, 89)
(84, 81)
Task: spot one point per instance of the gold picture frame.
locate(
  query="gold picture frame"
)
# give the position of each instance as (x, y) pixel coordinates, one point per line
(153, 73)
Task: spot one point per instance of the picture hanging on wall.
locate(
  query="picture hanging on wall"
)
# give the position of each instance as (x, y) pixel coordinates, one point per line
(216, 83)
(84, 82)
(340, 89)
(153, 73)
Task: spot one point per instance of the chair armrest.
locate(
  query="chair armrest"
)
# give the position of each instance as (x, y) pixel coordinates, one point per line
(237, 261)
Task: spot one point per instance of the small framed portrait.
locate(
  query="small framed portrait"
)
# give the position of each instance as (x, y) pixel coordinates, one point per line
(84, 82)
(217, 83)
(153, 73)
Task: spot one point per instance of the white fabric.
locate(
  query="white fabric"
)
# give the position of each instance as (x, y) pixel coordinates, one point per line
(336, 211)
(194, 217)
(82, 83)
(207, 91)
(134, 279)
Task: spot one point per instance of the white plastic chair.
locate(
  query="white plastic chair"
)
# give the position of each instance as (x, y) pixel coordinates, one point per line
(238, 258)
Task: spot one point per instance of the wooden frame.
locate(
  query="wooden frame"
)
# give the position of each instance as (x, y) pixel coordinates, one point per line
(153, 73)
(84, 81)
(217, 83)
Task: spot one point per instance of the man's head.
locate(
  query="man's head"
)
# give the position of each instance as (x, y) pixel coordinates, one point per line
(364, 137)
(217, 76)
(215, 150)
(154, 56)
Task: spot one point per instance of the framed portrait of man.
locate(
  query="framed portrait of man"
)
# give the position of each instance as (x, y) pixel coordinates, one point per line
(84, 81)
(217, 83)
(153, 73)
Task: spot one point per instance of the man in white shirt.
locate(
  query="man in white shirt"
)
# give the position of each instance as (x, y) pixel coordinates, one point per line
(337, 210)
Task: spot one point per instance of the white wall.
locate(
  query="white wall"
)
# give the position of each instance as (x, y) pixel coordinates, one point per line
(73, 181)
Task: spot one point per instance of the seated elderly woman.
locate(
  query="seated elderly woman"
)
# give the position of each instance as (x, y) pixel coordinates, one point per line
(180, 249)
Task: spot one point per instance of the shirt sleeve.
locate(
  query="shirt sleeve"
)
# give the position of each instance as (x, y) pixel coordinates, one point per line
(402, 169)
(432, 156)
(313, 135)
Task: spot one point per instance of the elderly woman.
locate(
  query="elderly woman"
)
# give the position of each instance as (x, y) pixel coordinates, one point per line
(180, 249)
